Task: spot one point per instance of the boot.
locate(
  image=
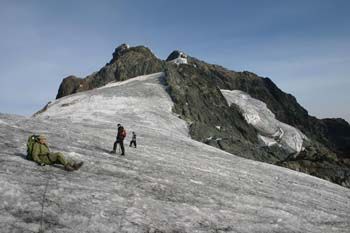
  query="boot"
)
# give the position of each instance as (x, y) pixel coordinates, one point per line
(76, 166)
(113, 152)
(68, 168)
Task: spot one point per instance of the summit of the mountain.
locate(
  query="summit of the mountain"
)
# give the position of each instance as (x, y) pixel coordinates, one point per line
(119, 51)
(127, 62)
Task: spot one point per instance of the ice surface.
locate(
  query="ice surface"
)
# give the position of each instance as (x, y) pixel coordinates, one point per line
(169, 183)
(270, 129)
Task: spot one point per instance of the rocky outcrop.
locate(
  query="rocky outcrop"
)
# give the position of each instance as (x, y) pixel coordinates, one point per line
(70, 85)
(337, 134)
(126, 63)
(211, 120)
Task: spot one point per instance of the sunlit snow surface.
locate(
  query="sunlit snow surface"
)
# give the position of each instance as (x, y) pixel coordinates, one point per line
(169, 183)
(179, 61)
(271, 131)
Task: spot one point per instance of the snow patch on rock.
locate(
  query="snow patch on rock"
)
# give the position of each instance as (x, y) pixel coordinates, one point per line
(271, 131)
(267, 140)
(181, 59)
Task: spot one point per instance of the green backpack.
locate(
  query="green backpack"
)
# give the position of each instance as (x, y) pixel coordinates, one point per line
(30, 145)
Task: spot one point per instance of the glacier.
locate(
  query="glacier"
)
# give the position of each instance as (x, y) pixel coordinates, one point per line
(169, 183)
(271, 131)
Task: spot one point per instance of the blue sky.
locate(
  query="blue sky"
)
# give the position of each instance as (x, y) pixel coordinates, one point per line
(303, 46)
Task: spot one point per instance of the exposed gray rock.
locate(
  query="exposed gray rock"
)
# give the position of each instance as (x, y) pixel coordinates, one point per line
(126, 63)
(71, 84)
(119, 51)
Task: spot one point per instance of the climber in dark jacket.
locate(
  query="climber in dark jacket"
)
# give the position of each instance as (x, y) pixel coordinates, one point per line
(119, 140)
(41, 154)
(133, 139)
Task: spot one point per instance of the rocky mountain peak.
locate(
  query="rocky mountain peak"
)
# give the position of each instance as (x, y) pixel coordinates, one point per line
(127, 62)
(131, 52)
(120, 50)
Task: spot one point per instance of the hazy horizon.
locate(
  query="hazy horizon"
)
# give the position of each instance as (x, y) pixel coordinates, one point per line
(302, 46)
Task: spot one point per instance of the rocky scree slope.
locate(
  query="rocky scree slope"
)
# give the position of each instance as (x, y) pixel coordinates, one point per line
(169, 184)
(195, 88)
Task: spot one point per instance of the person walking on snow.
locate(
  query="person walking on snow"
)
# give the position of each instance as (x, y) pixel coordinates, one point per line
(119, 140)
(41, 155)
(133, 139)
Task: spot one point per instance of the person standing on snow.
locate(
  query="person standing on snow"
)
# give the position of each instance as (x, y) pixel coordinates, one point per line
(119, 140)
(133, 139)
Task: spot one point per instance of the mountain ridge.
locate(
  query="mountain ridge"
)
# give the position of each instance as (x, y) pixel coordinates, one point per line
(194, 87)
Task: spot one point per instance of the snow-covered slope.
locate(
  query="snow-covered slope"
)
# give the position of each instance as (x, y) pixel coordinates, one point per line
(169, 183)
(136, 103)
(271, 131)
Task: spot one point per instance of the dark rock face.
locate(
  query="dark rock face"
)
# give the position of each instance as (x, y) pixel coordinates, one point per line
(119, 51)
(337, 131)
(333, 133)
(283, 105)
(126, 63)
(200, 102)
(324, 154)
(195, 91)
(70, 85)
(202, 105)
